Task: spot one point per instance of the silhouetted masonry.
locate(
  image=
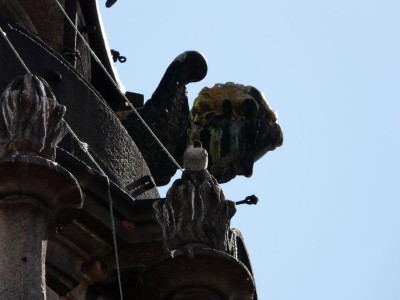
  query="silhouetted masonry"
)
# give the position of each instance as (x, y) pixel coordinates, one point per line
(72, 149)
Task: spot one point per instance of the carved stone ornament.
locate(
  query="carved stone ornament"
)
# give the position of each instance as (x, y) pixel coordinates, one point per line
(236, 126)
(167, 114)
(37, 195)
(195, 211)
(31, 120)
(196, 273)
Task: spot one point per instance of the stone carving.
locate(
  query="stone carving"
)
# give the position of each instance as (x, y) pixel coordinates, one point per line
(167, 114)
(236, 126)
(31, 120)
(92, 272)
(36, 194)
(195, 210)
(196, 273)
(233, 122)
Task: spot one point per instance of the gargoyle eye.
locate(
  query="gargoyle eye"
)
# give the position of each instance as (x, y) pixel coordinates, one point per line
(226, 105)
(248, 108)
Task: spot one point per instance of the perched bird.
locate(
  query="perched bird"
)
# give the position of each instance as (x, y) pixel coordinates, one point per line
(195, 158)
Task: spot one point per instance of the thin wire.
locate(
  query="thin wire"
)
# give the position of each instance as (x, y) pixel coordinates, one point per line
(85, 148)
(60, 45)
(114, 235)
(137, 115)
(15, 51)
(116, 85)
(83, 145)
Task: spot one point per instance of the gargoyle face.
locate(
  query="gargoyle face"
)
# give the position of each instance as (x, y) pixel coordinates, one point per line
(236, 126)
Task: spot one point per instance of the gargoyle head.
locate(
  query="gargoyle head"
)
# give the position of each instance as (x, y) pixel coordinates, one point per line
(236, 127)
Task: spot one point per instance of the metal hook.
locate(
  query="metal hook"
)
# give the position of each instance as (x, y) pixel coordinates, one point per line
(249, 200)
(110, 3)
(116, 56)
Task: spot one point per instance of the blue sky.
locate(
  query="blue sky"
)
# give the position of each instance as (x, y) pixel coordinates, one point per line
(327, 224)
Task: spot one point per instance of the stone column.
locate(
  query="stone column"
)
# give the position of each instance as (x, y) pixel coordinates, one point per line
(36, 194)
(21, 238)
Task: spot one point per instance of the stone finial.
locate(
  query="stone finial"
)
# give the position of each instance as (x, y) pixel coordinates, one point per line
(195, 210)
(31, 120)
(36, 194)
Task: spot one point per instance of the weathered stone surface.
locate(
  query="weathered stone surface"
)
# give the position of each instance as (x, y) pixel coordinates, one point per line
(31, 119)
(167, 114)
(196, 273)
(195, 212)
(23, 251)
(236, 126)
(88, 114)
(36, 16)
(26, 222)
(36, 194)
(44, 180)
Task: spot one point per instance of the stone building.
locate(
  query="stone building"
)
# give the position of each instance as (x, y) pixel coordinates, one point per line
(81, 216)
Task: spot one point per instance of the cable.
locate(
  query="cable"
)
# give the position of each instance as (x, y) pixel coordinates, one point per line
(85, 148)
(15, 51)
(114, 235)
(137, 115)
(116, 85)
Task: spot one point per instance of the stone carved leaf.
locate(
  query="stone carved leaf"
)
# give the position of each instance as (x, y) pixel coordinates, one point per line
(31, 120)
(195, 212)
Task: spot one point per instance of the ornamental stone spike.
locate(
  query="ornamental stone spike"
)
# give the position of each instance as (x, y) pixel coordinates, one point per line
(195, 219)
(36, 194)
(195, 211)
(31, 120)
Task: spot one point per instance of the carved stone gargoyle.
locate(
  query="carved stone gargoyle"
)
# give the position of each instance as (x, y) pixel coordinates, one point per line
(167, 114)
(195, 211)
(233, 121)
(236, 126)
